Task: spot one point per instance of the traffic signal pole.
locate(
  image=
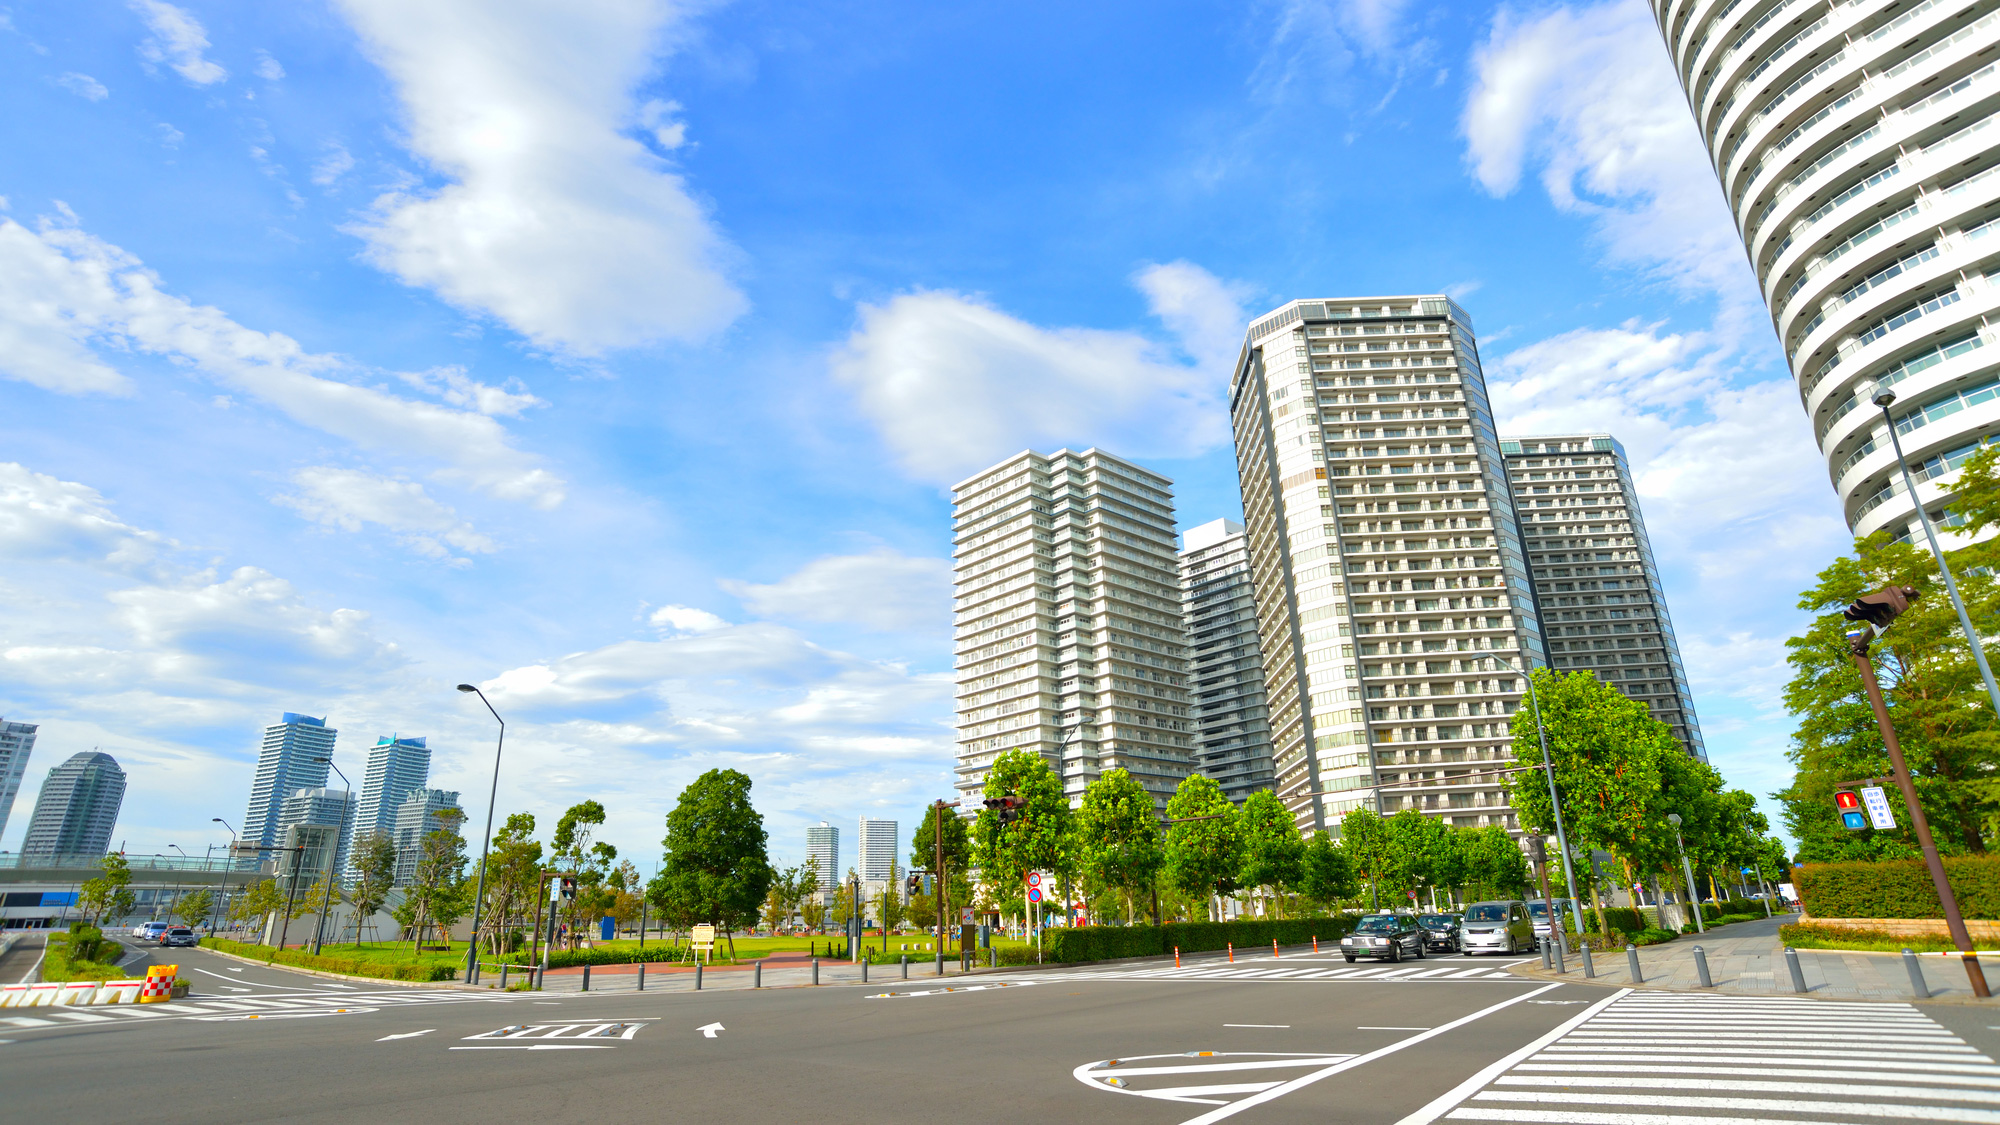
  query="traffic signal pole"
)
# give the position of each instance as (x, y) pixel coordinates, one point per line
(1857, 645)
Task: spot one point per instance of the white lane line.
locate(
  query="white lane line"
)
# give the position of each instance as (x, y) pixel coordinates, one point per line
(1822, 1089)
(539, 1047)
(1587, 1117)
(84, 1017)
(1470, 973)
(406, 1035)
(1433, 973)
(1763, 1105)
(1989, 1081)
(27, 1021)
(1370, 1027)
(1943, 1064)
(1437, 1107)
(1305, 1080)
(1286, 1025)
(1853, 1037)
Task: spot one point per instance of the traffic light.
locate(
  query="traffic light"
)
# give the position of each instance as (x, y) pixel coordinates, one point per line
(914, 885)
(1851, 815)
(569, 890)
(1881, 607)
(1009, 807)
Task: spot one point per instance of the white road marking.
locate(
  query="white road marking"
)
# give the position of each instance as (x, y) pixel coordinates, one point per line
(406, 1035)
(84, 1017)
(708, 1031)
(1116, 1075)
(1257, 1025)
(1370, 1027)
(28, 1021)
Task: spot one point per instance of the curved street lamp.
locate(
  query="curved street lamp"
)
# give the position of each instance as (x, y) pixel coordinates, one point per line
(1555, 803)
(233, 841)
(1694, 896)
(485, 839)
(333, 855)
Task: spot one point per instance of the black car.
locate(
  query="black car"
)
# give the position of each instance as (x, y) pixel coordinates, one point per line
(1440, 932)
(180, 935)
(1388, 936)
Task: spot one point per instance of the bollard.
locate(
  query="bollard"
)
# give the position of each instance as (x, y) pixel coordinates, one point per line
(906, 966)
(1177, 956)
(586, 978)
(992, 956)
(757, 975)
(1274, 949)
(940, 961)
(1917, 984)
(1547, 963)
(1632, 963)
(503, 975)
(1701, 967)
(1798, 973)
(697, 976)
(1315, 943)
(864, 970)
(815, 970)
(1232, 952)
(642, 976)
(1589, 967)
(1560, 967)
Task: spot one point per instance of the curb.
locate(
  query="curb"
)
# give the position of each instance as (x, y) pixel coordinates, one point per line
(344, 976)
(1604, 980)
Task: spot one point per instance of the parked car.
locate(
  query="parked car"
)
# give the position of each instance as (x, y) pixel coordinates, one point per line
(180, 935)
(1440, 932)
(1388, 936)
(1539, 910)
(151, 931)
(1501, 926)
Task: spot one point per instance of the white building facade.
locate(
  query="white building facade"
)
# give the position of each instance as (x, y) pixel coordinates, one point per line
(288, 760)
(1857, 149)
(1394, 608)
(17, 742)
(876, 841)
(1069, 634)
(823, 845)
(1233, 731)
(397, 767)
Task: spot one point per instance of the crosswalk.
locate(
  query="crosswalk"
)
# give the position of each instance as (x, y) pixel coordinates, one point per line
(289, 1006)
(1658, 1058)
(1297, 970)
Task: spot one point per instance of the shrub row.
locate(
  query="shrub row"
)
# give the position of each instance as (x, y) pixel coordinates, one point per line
(351, 966)
(571, 958)
(69, 956)
(1897, 888)
(1104, 943)
(1811, 935)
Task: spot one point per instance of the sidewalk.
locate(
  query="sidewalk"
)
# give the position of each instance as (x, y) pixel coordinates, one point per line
(779, 972)
(1746, 958)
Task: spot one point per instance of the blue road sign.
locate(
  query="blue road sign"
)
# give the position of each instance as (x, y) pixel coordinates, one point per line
(1854, 819)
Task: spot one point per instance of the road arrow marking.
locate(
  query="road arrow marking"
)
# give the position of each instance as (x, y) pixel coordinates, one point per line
(709, 1030)
(406, 1035)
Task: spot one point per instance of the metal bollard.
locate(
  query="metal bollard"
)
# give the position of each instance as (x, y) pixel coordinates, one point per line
(1547, 961)
(1560, 967)
(757, 975)
(1632, 963)
(1798, 973)
(815, 970)
(697, 976)
(503, 975)
(642, 976)
(1589, 967)
(586, 978)
(1701, 967)
(992, 956)
(1917, 984)
(864, 970)
(906, 966)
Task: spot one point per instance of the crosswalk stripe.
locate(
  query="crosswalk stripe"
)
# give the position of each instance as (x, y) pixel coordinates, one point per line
(1868, 1109)
(1762, 1069)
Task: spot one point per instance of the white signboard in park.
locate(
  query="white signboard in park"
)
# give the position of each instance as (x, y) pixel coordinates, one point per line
(965, 916)
(703, 938)
(1877, 804)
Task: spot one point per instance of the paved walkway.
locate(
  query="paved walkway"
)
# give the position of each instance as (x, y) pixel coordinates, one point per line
(1746, 958)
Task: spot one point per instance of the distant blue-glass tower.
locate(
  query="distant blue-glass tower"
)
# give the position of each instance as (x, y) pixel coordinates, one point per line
(285, 765)
(397, 767)
(77, 808)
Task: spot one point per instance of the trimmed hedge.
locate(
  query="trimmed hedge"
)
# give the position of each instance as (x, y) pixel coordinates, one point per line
(85, 940)
(1625, 919)
(1105, 943)
(351, 966)
(571, 958)
(1897, 888)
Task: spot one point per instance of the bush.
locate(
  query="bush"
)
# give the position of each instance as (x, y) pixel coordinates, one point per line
(1809, 935)
(350, 966)
(571, 958)
(1625, 919)
(1104, 943)
(1652, 935)
(70, 956)
(1897, 888)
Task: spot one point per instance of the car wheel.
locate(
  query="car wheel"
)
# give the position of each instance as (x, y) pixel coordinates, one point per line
(1396, 951)
(1420, 951)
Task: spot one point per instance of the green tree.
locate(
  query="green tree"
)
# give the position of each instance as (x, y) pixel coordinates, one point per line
(1272, 852)
(437, 894)
(1430, 849)
(104, 897)
(194, 906)
(1039, 839)
(261, 900)
(1117, 833)
(716, 869)
(1494, 865)
(1324, 874)
(1374, 858)
(1202, 855)
(374, 874)
(513, 872)
(957, 863)
(573, 850)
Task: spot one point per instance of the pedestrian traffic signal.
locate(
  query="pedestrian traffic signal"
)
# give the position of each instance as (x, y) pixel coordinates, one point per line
(1009, 807)
(1881, 607)
(1851, 815)
(914, 885)
(569, 890)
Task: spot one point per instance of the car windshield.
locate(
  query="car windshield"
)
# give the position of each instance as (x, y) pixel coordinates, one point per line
(1488, 912)
(1539, 909)
(1378, 924)
(1438, 921)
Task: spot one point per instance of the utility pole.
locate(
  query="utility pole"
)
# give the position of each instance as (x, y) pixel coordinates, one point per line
(1694, 896)
(1878, 611)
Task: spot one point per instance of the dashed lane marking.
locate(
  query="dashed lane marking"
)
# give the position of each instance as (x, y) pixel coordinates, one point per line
(953, 988)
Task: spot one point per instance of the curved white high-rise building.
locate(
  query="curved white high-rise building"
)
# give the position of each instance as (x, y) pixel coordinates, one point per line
(1858, 150)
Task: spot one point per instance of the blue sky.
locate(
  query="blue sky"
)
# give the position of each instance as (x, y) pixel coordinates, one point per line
(619, 355)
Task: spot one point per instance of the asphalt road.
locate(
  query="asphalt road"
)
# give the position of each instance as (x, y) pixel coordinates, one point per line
(261, 1044)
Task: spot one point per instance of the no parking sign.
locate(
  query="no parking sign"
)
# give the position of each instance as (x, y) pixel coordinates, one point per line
(1034, 886)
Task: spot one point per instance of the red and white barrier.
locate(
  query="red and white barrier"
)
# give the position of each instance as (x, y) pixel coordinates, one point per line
(157, 988)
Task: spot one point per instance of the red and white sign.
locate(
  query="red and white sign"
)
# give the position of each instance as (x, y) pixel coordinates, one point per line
(1034, 878)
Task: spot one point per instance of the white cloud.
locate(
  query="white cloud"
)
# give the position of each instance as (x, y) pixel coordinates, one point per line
(685, 619)
(177, 41)
(955, 384)
(348, 499)
(335, 164)
(43, 517)
(250, 615)
(454, 386)
(62, 291)
(83, 86)
(553, 219)
(1314, 43)
(268, 68)
(882, 590)
(1589, 95)
(170, 136)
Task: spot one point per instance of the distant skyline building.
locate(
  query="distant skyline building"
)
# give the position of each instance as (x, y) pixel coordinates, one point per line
(1855, 148)
(327, 808)
(1069, 634)
(1602, 605)
(285, 765)
(1393, 601)
(77, 808)
(823, 845)
(876, 843)
(17, 742)
(397, 767)
(416, 818)
(1233, 731)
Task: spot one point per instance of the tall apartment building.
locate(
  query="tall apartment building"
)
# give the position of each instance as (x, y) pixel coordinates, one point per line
(1069, 634)
(416, 818)
(286, 763)
(323, 808)
(397, 767)
(1232, 728)
(876, 842)
(823, 845)
(1602, 605)
(77, 808)
(1856, 146)
(1394, 609)
(17, 742)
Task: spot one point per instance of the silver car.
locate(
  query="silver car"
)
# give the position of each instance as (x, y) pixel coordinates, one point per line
(1539, 911)
(1500, 926)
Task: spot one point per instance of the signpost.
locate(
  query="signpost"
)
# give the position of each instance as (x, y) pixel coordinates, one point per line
(702, 937)
(1877, 803)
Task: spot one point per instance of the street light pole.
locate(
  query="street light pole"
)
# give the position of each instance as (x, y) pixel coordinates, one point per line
(233, 841)
(332, 855)
(1694, 897)
(486, 842)
(1562, 838)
